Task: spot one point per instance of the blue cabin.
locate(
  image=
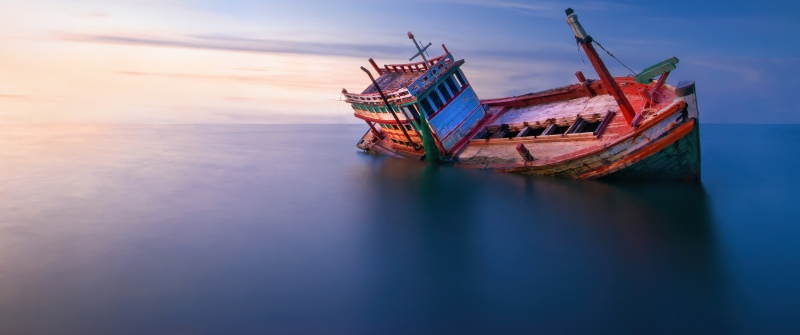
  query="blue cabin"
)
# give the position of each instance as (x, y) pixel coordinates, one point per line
(435, 90)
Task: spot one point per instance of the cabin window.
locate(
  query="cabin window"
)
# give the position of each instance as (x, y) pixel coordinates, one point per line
(512, 133)
(413, 111)
(450, 84)
(408, 126)
(445, 94)
(394, 126)
(437, 101)
(425, 105)
(456, 82)
(394, 141)
(460, 78)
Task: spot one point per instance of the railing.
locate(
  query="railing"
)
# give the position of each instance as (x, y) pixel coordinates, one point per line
(412, 67)
(375, 98)
(378, 117)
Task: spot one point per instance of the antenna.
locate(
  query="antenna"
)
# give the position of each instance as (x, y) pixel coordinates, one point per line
(421, 50)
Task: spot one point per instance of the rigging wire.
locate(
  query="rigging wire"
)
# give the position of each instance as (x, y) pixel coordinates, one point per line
(615, 57)
(339, 104)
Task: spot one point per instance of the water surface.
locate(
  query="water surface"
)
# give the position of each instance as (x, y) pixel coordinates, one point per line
(289, 229)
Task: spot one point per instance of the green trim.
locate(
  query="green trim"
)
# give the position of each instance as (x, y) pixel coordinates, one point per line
(432, 153)
(649, 73)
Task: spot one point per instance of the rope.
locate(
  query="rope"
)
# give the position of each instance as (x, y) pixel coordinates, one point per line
(340, 103)
(578, 44)
(615, 57)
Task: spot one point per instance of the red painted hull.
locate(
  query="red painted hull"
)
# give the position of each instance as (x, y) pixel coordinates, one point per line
(664, 146)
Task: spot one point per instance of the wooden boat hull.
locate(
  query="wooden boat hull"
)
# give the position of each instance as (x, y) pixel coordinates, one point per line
(665, 147)
(678, 161)
(616, 127)
(674, 155)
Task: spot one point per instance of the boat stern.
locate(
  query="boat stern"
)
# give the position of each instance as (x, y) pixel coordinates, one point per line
(680, 160)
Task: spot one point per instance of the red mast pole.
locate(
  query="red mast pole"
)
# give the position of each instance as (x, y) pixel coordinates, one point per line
(605, 77)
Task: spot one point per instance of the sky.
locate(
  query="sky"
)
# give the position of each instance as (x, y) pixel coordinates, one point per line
(250, 61)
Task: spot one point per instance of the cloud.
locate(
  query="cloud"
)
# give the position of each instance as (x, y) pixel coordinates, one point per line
(238, 44)
(230, 43)
(96, 14)
(546, 8)
(746, 73)
(280, 80)
(13, 96)
(202, 114)
(534, 6)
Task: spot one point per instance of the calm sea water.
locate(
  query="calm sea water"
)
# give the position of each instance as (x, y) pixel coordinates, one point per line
(288, 229)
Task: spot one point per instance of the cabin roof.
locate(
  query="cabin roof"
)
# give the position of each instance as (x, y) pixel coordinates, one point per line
(393, 81)
(398, 76)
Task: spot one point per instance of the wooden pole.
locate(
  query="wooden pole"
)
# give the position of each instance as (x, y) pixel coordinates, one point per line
(609, 82)
(605, 77)
(374, 131)
(389, 106)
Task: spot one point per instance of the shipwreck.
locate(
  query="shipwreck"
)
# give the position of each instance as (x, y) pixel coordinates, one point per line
(633, 127)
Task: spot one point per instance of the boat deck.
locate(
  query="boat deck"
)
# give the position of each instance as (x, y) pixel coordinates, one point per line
(557, 111)
(495, 145)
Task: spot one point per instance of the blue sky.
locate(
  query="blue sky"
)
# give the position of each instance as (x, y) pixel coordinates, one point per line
(248, 61)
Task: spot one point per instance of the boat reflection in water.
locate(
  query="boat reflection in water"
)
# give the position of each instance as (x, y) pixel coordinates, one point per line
(473, 248)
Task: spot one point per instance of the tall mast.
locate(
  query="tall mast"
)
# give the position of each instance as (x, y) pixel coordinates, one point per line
(605, 77)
